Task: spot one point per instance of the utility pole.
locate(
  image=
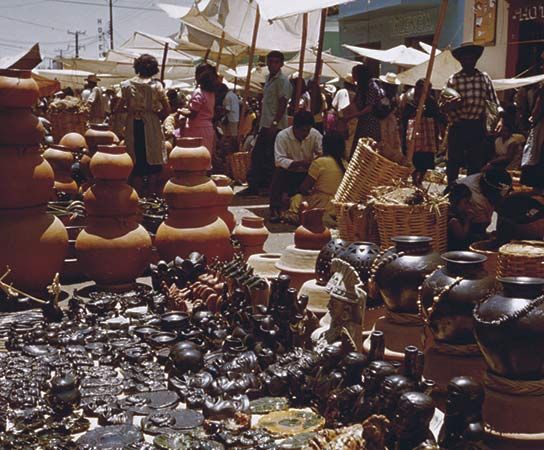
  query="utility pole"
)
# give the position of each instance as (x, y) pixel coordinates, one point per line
(76, 34)
(111, 24)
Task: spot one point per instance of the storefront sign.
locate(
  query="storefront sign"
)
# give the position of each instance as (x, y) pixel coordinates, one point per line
(485, 22)
(529, 13)
(408, 25)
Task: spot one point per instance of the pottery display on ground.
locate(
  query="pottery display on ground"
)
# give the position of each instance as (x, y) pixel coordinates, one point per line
(192, 223)
(299, 260)
(33, 243)
(113, 249)
(447, 298)
(396, 277)
(509, 329)
(251, 234)
(61, 159)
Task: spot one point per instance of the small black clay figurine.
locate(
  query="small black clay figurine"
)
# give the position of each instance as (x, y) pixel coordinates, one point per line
(463, 425)
(64, 394)
(411, 422)
(368, 402)
(392, 388)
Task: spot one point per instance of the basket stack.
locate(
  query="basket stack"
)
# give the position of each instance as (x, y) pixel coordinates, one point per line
(489, 249)
(521, 259)
(367, 169)
(64, 122)
(238, 164)
(405, 211)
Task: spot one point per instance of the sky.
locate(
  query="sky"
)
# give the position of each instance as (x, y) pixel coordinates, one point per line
(24, 22)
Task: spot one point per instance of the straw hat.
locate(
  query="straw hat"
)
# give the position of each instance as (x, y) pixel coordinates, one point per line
(466, 48)
(390, 78)
(92, 78)
(348, 78)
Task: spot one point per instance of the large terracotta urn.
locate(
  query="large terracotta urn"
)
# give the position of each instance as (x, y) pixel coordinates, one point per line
(192, 223)
(251, 234)
(113, 249)
(99, 134)
(32, 243)
(61, 159)
(311, 234)
(73, 141)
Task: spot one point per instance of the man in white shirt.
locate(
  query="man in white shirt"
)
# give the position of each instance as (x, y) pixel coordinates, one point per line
(294, 150)
(93, 96)
(231, 104)
(343, 96)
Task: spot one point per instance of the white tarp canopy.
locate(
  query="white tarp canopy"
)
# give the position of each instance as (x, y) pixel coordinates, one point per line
(25, 60)
(333, 66)
(76, 78)
(399, 56)
(277, 9)
(154, 45)
(428, 48)
(514, 83)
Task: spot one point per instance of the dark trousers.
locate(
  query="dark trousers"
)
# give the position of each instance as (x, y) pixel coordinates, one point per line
(262, 161)
(284, 181)
(468, 146)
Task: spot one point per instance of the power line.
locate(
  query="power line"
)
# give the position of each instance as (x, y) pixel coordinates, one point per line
(23, 4)
(73, 2)
(33, 23)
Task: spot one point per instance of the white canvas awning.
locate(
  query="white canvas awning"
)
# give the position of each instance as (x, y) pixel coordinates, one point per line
(154, 45)
(333, 66)
(444, 66)
(277, 9)
(399, 56)
(514, 83)
(76, 78)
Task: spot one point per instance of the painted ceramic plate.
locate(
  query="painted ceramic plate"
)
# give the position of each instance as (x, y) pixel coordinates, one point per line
(291, 422)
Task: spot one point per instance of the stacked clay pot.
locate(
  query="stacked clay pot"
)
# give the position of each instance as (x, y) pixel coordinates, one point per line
(224, 199)
(61, 159)
(113, 249)
(32, 242)
(99, 134)
(251, 234)
(191, 195)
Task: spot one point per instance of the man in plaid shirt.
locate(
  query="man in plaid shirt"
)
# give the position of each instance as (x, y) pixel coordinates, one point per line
(468, 145)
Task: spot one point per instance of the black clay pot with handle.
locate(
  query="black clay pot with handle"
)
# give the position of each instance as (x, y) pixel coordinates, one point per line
(449, 294)
(400, 271)
(509, 328)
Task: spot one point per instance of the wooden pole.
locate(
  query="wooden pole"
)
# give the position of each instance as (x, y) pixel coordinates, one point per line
(319, 55)
(250, 65)
(221, 45)
(164, 57)
(207, 55)
(421, 104)
(303, 40)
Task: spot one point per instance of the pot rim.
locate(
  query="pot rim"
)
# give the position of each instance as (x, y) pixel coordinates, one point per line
(408, 239)
(99, 127)
(189, 142)
(521, 281)
(469, 257)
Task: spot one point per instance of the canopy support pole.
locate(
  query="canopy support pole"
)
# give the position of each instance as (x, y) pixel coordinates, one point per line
(319, 55)
(300, 78)
(164, 57)
(221, 45)
(250, 65)
(422, 100)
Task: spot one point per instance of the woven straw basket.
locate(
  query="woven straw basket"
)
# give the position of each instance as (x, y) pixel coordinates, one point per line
(239, 163)
(356, 222)
(414, 220)
(67, 122)
(487, 248)
(521, 259)
(366, 170)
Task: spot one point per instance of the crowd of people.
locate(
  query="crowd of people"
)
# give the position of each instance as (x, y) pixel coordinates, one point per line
(301, 135)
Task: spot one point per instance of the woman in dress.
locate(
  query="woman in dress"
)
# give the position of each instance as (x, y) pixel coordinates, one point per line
(201, 108)
(145, 103)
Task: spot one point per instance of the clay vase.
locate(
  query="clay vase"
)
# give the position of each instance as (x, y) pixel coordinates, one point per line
(509, 328)
(61, 159)
(361, 256)
(450, 293)
(192, 223)
(26, 179)
(33, 245)
(311, 234)
(99, 134)
(251, 234)
(113, 249)
(17, 89)
(224, 199)
(20, 127)
(332, 249)
(74, 141)
(402, 270)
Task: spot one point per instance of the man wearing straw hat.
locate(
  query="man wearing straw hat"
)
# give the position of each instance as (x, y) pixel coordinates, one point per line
(468, 144)
(92, 95)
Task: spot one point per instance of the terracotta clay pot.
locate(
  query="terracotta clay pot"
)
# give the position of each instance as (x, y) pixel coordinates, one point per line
(17, 89)
(111, 198)
(403, 269)
(99, 134)
(74, 141)
(190, 190)
(34, 246)
(311, 234)
(509, 328)
(450, 318)
(26, 179)
(190, 155)
(113, 251)
(224, 199)
(111, 162)
(20, 127)
(61, 159)
(252, 234)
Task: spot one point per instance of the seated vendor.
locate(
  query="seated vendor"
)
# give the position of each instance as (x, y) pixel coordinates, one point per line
(321, 183)
(473, 213)
(520, 217)
(508, 148)
(295, 148)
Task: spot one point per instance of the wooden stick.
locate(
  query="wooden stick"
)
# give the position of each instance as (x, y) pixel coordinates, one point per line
(422, 100)
(319, 55)
(250, 65)
(221, 45)
(163, 65)
(303, 40)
